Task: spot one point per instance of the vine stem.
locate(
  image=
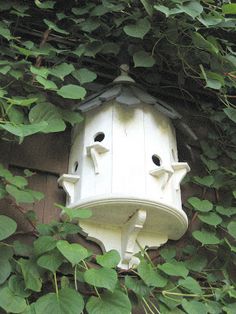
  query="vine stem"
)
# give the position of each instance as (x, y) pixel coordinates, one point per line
(186, 295)
(75, 278)
(55, 282)
(147, 305)
(96, 290)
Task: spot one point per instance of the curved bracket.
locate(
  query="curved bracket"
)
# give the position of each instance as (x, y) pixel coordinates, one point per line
(180, 171)
(68, 182)
(162, 173)
(94, 150)
(129, 235)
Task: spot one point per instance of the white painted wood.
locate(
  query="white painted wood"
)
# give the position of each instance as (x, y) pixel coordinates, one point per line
(135, 201)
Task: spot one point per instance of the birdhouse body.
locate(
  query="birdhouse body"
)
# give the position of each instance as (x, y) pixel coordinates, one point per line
(124, 167)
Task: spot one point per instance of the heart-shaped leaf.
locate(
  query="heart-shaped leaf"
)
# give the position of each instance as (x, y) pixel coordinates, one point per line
(150, 276)
(206, 237)
(7, 227)
(115, 303)
(10, 302)
(74, 252)
(51, 261)
(71, 91)
(44, 244)
(68, 301)
(191, 285)
(200, 205)
(210, 218)
(143, 59)
(174, 269)
(232, 228)
(101, 278)
(109, 259)
(138, 30)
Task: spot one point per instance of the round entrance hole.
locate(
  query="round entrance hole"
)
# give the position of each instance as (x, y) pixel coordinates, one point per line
(99, 137)
(156, 160)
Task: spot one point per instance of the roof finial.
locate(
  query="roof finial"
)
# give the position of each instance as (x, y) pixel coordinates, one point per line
(124, 75)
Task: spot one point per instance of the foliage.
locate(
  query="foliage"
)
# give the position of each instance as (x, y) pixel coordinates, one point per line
(52, 54)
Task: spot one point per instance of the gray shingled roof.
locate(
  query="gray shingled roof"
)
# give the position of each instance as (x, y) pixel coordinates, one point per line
(129, 94)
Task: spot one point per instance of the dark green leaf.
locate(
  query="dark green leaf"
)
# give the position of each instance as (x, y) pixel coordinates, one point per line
(50, 261)
(7, 227)
(174, 268)
(150, 275)
(101, 278)
(10, 302)
(138, 30)
(143, 59)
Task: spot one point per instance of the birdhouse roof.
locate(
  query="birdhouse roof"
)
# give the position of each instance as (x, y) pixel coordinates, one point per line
(128, 94)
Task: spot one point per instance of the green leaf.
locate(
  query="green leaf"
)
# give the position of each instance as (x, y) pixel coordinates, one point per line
(31, 274)
(202, 43)
(115, 303)
(194, 307)
(21, 101)
(22, 249)
(74, 213)
(45, 4)
(138, 30)
(192, 8)
(47, 112)
(84, 75)
(71, 116)
(44, 244)
(150, 276)
(168, 253)
(5, 269)
(231, 113)
(71, 91)
(206, 181)
(143, 59)
(162, 9)
(191, 285)
(74, 252)
(51, 261)
(62, 70)
(147, 6)
(20, 196)
(101, 278)
(42, 71)
(68, 301)
(229, 8)
(200, 205)
(17, 286)
(232, 228)
(137, 286)
(5, 69)
(4, 31)
(54, 27)
(23, 130)
(7, 227)
(196, 263)
(18, 181)
(46, 83)
(174, 268)
(206, 237)
(210, 218)
(109, 259)
(10, 302)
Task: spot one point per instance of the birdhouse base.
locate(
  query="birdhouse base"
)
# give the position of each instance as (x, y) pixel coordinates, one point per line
(128, 224)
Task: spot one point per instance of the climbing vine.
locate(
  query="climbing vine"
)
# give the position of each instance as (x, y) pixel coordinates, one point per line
(53, 54)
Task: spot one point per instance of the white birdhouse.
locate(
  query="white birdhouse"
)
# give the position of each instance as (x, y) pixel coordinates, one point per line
(124, 167)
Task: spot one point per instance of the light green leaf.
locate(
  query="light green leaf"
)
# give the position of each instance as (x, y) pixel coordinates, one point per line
(150, 275)
(200, 205)
(143, 59)
(19, 195)
(42, 71)
(73, 252)
(101, 278)
(18, 181)
(206, 181)
(7, 227)
(71, 91)
(229, 8)
(231, 113)
(54, 27)
(17, 286)
(5, 268)
(10, 302)
(45, 4)
(115, 303)
(70, 116)
(109, 259)
(168, 253)
(162, 9)
(23, 130)
(74, 213)
(5, 69)
(4, 31)
(192, 8)
(202, 43)
(194, 307)
(44, 244)
(138, 30)
(31, 274)
(47, 112)
(210, 218)
(232, 228)
(84, 75)
(62, 70)
(51, 261)
(191, 285)
(68, 301)
(147, 6)
(206, 237)
(174, 268)
(21, 101)
(46, 83)
(226, 211)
